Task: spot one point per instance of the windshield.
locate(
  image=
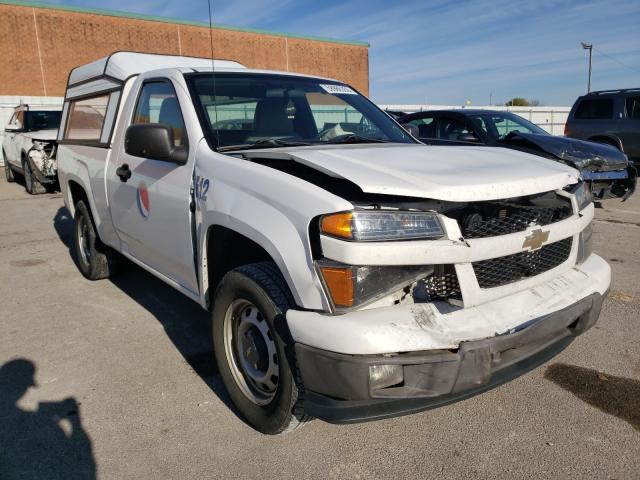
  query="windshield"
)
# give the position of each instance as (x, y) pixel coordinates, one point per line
(498, 125)
(240, 110)
(43, 120)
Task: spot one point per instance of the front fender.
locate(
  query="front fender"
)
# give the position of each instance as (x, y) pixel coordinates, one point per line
(271, 208)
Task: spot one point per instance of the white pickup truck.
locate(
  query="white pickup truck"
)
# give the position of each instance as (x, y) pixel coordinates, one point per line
(29, 147)
(351, 272)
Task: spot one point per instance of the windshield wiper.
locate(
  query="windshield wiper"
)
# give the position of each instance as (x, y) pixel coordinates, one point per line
(264, 143)
(353, 138)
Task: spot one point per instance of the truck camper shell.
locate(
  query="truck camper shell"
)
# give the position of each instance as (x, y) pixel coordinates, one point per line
(111, 72)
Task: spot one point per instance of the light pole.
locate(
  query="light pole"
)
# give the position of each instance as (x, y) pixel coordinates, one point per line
(588, 46)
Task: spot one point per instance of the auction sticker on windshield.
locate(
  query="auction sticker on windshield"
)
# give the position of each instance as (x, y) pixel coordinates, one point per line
(338, 89)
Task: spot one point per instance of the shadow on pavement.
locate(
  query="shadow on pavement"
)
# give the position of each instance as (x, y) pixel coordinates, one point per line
(63, 225)
(617, 396)
(46, 443)
(185, 322)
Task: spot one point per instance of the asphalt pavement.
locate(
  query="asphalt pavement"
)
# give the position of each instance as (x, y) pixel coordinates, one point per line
(116, 379)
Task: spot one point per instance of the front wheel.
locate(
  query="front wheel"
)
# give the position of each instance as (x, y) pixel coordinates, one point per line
(256, 364)
(31, 183)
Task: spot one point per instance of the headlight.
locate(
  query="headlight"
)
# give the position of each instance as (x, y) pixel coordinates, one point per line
(352, 286)
(376, 225)
(582, 193)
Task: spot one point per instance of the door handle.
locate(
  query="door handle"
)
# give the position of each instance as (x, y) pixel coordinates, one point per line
(123, 172)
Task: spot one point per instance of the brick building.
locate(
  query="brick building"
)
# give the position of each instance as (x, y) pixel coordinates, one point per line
(40, 43)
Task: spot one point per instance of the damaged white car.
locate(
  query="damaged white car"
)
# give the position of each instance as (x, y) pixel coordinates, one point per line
(29, 147)
(351, 272)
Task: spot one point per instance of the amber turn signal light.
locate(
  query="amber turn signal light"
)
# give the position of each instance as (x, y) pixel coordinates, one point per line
(337, 225)
(339, 282)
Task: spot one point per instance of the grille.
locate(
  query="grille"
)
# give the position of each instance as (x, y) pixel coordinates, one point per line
(443, 284)
(509, 269)
(511, 218)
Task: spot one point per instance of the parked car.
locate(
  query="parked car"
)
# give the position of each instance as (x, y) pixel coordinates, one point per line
(606, 169)
(351, 272)
(611, 117)
(29, 147)
(395, 114)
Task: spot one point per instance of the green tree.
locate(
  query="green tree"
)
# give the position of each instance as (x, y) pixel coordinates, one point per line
(518, 102)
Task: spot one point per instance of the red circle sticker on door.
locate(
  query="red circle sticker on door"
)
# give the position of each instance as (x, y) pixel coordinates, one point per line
(143, 199)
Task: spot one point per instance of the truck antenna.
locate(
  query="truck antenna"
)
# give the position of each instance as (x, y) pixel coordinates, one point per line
(213, 77)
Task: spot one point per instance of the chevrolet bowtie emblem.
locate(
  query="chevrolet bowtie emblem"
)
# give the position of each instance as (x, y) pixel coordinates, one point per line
(536, 239)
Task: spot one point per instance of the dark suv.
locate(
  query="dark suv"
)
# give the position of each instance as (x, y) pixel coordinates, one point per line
(611, 117)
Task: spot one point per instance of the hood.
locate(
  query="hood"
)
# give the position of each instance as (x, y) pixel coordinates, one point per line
(577, 153)
(458, 174)
(44, 135)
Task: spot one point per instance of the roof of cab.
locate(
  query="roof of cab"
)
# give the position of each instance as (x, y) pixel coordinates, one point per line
(122, 65)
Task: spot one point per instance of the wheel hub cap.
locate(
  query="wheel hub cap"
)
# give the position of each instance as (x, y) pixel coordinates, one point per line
(251, 352)
(85, 250)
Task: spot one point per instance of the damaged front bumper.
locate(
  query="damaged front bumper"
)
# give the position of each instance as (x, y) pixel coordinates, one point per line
(611, 184)
(43, 165)
(440, 363)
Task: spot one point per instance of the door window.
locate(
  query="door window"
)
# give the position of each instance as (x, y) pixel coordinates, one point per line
(597, 108)
(451, 128)
(158, 103)
(633, 107)
(19, 120)
(426, 126)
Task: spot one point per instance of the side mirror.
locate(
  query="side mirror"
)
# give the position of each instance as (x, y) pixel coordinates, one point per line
(154, 141)
(468, 137)
(12, 129)
(412, 129)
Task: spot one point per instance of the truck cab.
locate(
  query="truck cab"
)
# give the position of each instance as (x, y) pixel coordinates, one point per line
(351, 272)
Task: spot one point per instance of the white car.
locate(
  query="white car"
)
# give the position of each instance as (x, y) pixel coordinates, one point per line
(29, 147)
(351, 272)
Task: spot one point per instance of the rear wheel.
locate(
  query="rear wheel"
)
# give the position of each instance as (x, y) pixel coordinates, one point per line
(254, 354)
(31, 183)
(95, 260)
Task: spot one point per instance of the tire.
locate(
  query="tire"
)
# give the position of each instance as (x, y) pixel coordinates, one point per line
(8, 171)
(250, 341)
(31, 183)
(95, 260)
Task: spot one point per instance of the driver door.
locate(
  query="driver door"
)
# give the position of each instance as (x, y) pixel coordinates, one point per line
(151, 208)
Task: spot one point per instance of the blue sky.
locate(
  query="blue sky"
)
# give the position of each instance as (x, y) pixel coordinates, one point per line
(448, 52)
